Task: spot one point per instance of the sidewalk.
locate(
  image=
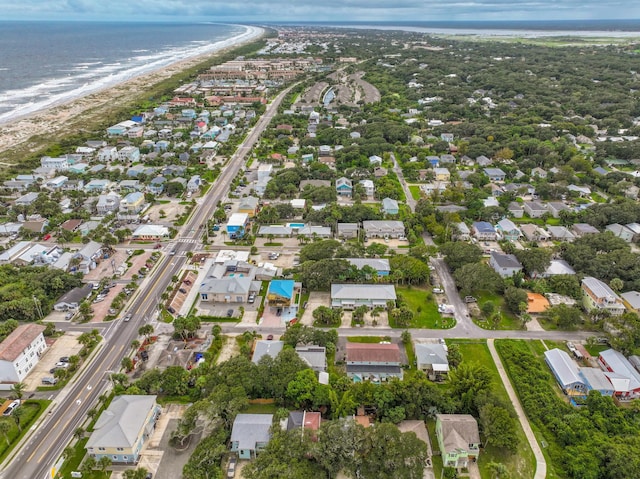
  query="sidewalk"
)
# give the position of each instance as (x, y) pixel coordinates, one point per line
(541, 464)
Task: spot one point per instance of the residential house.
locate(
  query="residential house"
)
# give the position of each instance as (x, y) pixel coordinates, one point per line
(280, 293)
(383, 229)
(227, 289)
(129, 154)
(515, 209)
(566, 372)
(508, 230)
(635, 228)
(557, 267)
(150, 232)
(534, 233)
(442, 174)
(315, 231)
(379, 172)
(390, 206)
(375, 362)
(97, 186)
(57, 183)
(597, 295)
(237, 224)
(108, 154)
(582, 191)
(535, 209)
(375, 160)
(458, 439)
(623, 376)
(275, 231)
(597, 380)
(461, 232)
(560, 233)
(447, 159)
(506, 265)
(348, 230)
(20, 352)
(431, 358)
(483, 231)
(107, 204)
(631, 299)
(72, 299)
(250, 434)
(539, 172)
(123, 428)
(133, 203)
(495, 174)
(621, 232)
(379, 265)
(249, 205)
(434, 161)
(483, 161)
(57, 164)
(350, 296)
(266, 348)
(35, 226)
(369, 187)
(344, 187)
(27, 200)
(555, 207)
(264, 170)
(582, 229)
(156, 185)
(314, 356)
(304, 420)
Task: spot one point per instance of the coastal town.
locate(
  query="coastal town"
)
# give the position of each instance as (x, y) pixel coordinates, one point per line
(340, 253)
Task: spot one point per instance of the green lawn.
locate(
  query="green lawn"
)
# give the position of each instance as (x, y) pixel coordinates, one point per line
(596, 349)
(425, 310)
(32, 409)
(508, 321)
(521, 464)
(597, 198)
(415, 192)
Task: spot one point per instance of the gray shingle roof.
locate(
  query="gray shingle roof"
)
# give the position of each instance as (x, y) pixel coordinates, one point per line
(363, 291)
(121, 423)
(250, 429)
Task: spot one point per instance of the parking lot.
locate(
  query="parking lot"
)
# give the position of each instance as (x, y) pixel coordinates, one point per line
(66, 345)
(105, 269)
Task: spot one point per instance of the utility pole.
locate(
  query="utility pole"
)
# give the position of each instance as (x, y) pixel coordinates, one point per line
(38, 308)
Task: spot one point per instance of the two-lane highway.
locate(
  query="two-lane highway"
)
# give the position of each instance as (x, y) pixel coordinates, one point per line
(42, 449)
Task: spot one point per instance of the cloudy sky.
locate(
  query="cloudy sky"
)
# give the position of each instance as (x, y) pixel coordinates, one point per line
(320, 10)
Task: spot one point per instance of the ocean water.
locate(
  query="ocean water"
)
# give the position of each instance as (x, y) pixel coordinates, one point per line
(46, 63)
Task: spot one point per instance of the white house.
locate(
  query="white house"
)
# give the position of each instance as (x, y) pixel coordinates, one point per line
(20, 352)
(58, 164)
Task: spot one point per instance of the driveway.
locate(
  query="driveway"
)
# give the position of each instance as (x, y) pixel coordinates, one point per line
(315, 301)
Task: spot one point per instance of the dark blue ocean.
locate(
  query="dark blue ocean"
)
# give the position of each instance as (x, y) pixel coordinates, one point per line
(45, 63)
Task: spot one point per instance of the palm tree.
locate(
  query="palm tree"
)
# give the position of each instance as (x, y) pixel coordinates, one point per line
(68, 452)
(17, 415)
(135, 344)
(18, 390)
(104, 463)
(5, 427)
(88, 465)
(78, 433)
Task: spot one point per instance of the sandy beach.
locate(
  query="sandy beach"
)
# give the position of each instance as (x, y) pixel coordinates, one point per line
(72, 114)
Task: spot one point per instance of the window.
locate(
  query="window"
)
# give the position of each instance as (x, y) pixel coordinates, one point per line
(119, 449)
(101, 449)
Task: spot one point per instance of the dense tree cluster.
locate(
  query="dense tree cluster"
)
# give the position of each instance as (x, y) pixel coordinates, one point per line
(597, 441)
(20, 285)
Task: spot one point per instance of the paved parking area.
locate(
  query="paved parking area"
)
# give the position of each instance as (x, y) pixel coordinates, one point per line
(66, 345)
(105, 269)
(315, 300)
(101, 310)
(137, 262)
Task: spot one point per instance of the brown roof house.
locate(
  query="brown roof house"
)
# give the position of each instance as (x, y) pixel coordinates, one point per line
(20, 352)
(373, 362)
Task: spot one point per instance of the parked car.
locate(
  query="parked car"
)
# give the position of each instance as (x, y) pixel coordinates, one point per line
(231, 469)
(11, 407)
(64, 359)
(47, 237)
(270, 337)
(49, 381)
(171, 310)
(438, 290)
(187, 282)
(157, 246)
(229, 313)
(68, 316)
(470, 299)
(251, 298)
(183, 291)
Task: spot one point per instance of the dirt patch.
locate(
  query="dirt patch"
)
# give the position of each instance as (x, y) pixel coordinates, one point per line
(315, 300)
(171, 210)
(229, 349)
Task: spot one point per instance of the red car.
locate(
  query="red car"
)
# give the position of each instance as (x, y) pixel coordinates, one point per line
(158, 246)
(47, 237)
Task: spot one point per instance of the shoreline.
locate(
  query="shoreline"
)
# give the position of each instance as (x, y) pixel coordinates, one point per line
(52, 119)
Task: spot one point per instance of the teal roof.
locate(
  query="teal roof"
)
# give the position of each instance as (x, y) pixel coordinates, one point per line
(282, 287)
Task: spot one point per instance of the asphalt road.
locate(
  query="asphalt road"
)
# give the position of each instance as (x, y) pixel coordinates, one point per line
(43, 448)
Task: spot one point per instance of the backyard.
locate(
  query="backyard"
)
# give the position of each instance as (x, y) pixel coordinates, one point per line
(507, 319)
(521, 464)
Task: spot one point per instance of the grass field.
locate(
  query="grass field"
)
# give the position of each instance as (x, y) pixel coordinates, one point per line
(425, 310)
(31, 410)
(416, 193)
(521, 464)
(508, 320)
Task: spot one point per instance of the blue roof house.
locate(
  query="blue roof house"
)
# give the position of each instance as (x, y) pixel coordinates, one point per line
(434, 161)
(280, 293)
